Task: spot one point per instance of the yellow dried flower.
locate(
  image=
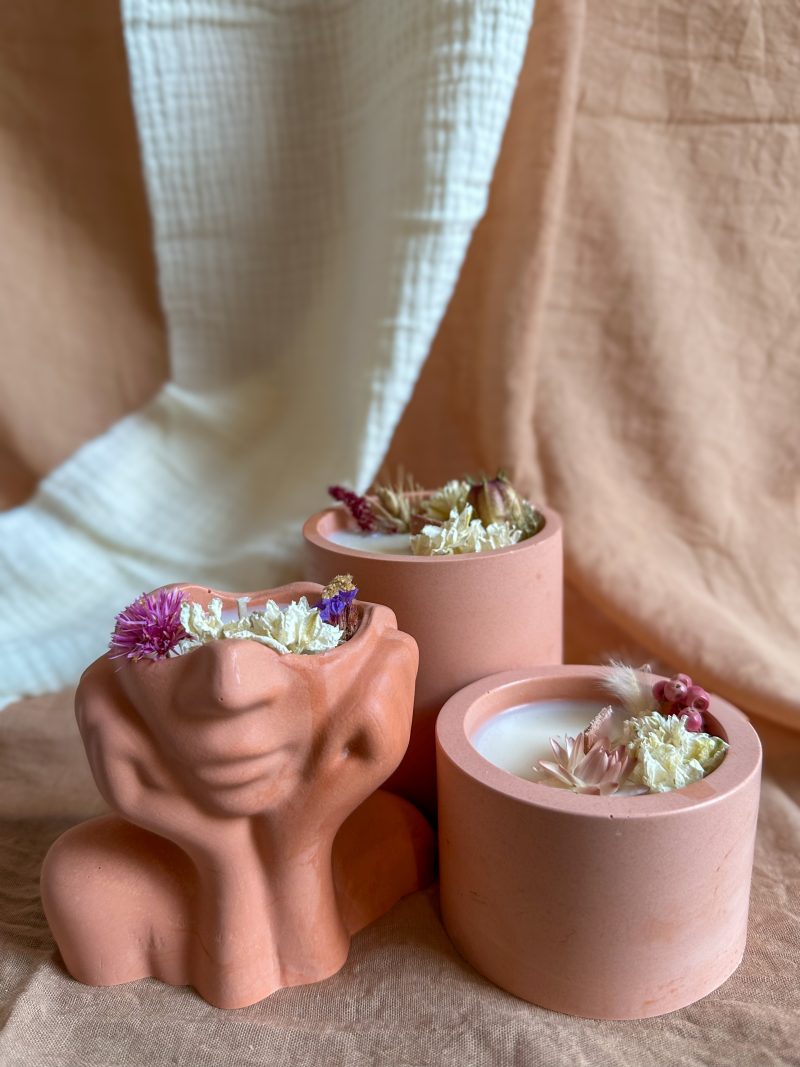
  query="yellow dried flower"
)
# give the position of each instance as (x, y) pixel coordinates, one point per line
(393, 507)
(342, 583)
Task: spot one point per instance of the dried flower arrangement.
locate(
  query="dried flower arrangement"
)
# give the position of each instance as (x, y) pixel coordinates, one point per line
(661, 745)
(165, 623)
(464, 515)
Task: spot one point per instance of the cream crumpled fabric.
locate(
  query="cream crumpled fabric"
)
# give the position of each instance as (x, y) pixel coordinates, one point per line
(314, 173)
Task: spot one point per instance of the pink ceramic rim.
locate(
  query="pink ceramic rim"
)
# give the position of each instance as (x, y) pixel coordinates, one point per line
(311, 533)
(473, 705)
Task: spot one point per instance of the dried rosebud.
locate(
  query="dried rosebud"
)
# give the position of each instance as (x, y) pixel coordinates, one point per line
(496, 501)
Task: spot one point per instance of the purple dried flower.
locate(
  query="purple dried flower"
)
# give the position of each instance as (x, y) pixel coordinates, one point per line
(150, 627)
(358, 506)
(336, 605)
(331, 609)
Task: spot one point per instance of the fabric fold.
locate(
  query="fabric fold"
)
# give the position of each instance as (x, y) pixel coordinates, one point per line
(314, 176)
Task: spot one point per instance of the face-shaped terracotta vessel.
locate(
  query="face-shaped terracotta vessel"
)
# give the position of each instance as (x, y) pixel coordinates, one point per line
(249, 842)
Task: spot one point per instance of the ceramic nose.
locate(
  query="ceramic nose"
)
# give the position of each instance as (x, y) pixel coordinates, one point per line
(234, 676)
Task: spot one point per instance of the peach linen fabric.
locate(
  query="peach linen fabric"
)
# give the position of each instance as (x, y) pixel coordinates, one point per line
(81, 333)
(403, 999)
(622, 335)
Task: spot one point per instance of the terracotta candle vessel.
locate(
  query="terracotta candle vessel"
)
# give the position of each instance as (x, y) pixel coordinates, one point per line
(471, 615)
(608, 907)
(247, 842)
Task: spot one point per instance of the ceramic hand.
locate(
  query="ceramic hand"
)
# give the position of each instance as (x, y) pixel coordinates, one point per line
(131, 775)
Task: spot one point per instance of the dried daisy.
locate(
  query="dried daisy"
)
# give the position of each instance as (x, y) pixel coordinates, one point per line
(669, 756)
(439, 505)
(296, 627)
(593, 767)
(462, 533)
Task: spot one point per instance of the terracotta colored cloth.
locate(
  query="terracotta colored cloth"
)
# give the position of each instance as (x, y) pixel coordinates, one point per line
(624, 332)
(404, 998)
(81, 336)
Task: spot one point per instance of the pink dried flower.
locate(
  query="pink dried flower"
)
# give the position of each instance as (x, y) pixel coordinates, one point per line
(591, 766)
(358, 506)
(150, 627)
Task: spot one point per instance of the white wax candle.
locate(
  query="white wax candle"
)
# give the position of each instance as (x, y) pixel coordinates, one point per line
(241, 610)
(396, 544)
(516, 738)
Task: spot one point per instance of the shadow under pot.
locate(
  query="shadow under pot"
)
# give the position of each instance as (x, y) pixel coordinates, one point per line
(471, 615)
(606, 907)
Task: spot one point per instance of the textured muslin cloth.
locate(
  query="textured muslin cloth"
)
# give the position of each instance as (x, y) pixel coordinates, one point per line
(314, 173)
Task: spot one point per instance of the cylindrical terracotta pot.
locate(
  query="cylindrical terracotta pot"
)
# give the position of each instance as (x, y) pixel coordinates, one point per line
(602, 907)
(471, 615)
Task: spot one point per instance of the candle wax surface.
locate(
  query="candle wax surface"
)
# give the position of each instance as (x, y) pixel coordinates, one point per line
(516, 738)
(398, 544)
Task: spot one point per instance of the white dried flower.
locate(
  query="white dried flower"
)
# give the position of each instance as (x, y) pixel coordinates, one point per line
(668, 756)
(440, 504)
(463, 533)
(295, 628)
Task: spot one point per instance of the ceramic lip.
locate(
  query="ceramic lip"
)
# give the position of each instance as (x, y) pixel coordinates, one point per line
(335, 518)
(475, 704)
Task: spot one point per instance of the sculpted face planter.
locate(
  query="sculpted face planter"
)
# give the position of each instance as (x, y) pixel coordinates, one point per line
(248, 842)
(471, 615)
(609, 907)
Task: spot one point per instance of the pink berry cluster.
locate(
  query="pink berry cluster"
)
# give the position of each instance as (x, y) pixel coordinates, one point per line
(678, 696)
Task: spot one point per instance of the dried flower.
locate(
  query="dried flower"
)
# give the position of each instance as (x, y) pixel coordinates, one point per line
(342, 583)
(150, 627)
(678, 695)
(393, 508)
(590, 766)
(336, 604)
(439, 505)
(358, 506)
(623, 683)
(295, 628)
(497, 500)
(668, 755)
(462, 533)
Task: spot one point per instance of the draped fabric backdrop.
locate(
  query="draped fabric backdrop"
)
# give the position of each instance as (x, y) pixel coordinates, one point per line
(619, 329)
(313, 173)
(251, 247)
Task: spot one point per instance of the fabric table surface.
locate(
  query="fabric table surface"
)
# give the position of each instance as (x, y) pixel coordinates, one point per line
(404, 998)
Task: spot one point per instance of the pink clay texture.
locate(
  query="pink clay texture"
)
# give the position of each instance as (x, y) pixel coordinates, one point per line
(248, 842)
(604, 907)
(471, 615)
